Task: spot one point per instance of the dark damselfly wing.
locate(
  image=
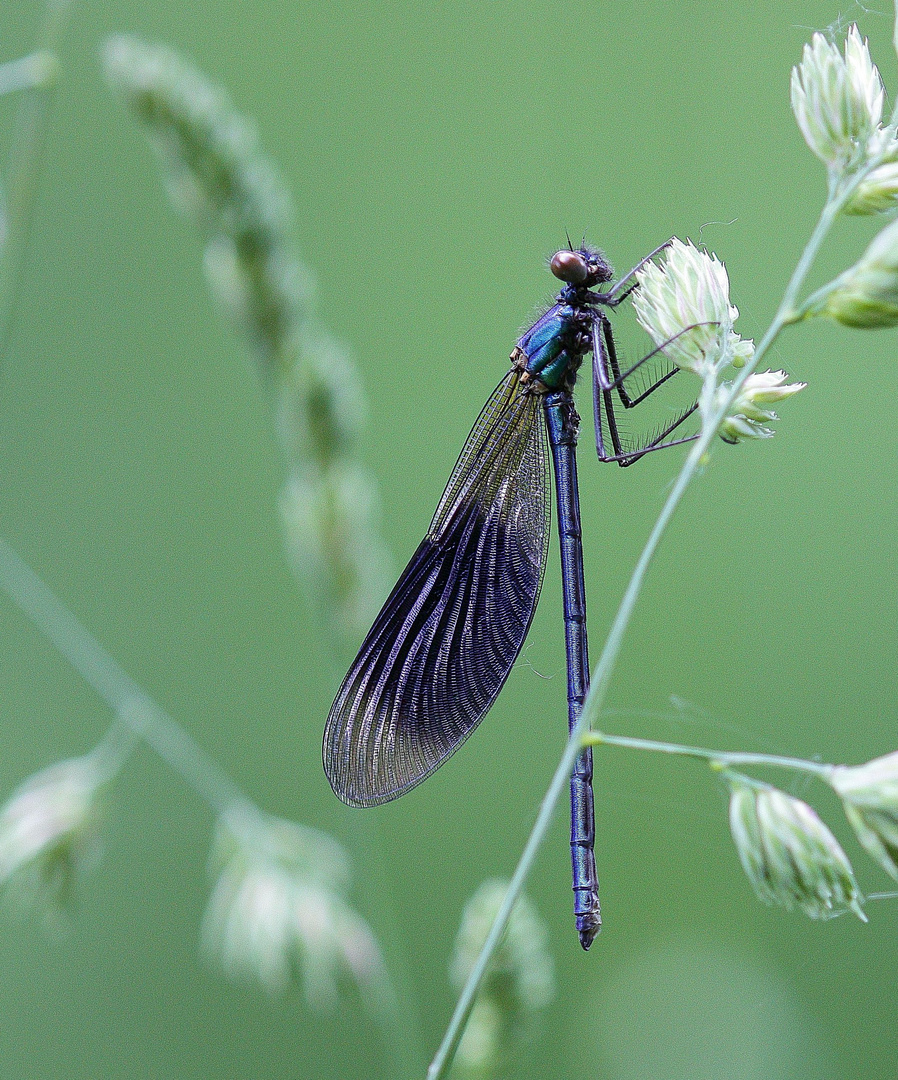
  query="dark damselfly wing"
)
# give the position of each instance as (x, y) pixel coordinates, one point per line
(445, 641)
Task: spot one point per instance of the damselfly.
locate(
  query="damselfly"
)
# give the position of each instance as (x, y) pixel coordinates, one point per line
(445, 641)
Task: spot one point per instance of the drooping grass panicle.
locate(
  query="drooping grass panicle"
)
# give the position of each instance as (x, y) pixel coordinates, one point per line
(217, 173)
(789, 856)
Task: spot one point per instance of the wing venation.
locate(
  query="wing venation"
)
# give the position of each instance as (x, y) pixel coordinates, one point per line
(444, 642)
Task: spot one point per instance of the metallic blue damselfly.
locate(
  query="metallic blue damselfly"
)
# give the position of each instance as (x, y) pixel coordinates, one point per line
(445, 641)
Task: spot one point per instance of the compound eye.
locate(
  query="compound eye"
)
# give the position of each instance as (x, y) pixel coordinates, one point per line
(570, 266)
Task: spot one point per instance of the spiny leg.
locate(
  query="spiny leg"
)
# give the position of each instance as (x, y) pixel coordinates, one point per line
(598, 398)
(627, 457)
(603, 388)
(601, 394)
(657, 442)
(619, 378)
(614, 379)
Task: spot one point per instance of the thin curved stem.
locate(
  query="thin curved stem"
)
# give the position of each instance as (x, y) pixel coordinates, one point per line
(604, 668)
(720, 757)
(786, 311)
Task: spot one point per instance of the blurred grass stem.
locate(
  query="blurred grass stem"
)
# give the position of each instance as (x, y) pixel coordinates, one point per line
(25, 162)
(28, 72)
(838, 197)
(139, 717)
(133, 707)
(114, 749)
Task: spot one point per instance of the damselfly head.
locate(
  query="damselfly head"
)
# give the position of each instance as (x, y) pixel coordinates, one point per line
(581, 267)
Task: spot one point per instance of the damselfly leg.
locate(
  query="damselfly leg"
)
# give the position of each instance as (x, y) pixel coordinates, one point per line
(608, 376)
(618, 294)
(608, 380)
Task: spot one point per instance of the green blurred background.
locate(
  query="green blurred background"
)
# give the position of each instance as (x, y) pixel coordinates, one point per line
(437, 154)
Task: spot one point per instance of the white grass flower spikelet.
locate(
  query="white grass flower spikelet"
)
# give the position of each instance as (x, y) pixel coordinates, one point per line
(869, 794)
(49, 827)
(683, 302)
(789, 856)
(748, 413)
(837, 99)
(278, 911)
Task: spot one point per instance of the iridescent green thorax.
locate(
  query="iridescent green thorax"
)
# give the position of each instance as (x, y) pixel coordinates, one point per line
(551, 349)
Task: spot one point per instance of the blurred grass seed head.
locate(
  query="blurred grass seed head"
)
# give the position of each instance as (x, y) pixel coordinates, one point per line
(278, 913)
(520, 980)
(50, 832)
(217, 174)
